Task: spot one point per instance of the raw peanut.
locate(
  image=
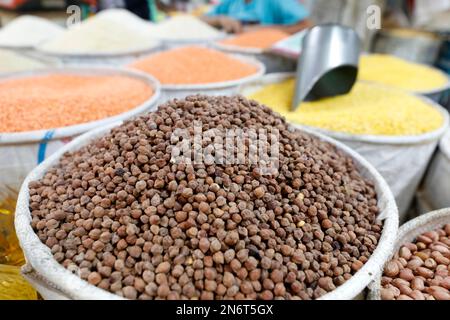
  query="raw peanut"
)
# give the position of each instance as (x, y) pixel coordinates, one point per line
(391, 269)
(439, 293)
(406, 274)
(417, 295)
(417, 284)
(424, 272)
(387, 294)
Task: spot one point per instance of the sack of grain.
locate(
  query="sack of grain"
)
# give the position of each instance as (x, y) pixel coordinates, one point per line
(113, 37)
(182, 30)
(23, 142)
(254, 44)
(361, 181)
(419, 279)
(191, 70)
(400, 158)
(26, 32)
(412, 77)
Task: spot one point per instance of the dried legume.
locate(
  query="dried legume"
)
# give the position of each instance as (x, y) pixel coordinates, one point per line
(367, 109)
(58, 100)
(426, 274)
(260, 39)
(194, 65)
(396, 72)
(174, 239)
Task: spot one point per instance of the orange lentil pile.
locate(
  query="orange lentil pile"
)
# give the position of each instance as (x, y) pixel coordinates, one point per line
(194, 65)
(260, 39)
(59, 100)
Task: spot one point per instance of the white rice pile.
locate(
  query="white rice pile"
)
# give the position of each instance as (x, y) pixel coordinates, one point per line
(13, 62)
(113, 31)
(28, 31)
(186, 27)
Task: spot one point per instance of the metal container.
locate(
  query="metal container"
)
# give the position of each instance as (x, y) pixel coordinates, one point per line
(410, 44)
(328, 64)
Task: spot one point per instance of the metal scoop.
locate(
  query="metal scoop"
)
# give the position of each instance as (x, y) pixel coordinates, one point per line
(328, 63)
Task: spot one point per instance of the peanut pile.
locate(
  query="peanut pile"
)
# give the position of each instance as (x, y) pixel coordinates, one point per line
(420, 270)
(121, 215)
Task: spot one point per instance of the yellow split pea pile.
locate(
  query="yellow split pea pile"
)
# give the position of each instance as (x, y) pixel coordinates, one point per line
(125, 218)
(367, 110)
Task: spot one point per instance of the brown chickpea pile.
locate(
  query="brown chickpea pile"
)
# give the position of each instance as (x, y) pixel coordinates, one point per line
(119, 214)
(420, 270)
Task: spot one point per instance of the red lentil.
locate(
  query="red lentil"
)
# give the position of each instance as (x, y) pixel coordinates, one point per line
(261, 39)
(194, 65)
(51, 101)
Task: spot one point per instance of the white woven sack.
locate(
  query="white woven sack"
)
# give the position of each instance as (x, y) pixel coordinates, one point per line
(436, 189)
(226, 88)
(21, 152)
(97, 59)
(402, 161)
(53, 281)
(407, 233)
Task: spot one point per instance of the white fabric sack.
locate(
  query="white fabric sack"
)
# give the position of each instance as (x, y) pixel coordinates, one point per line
(53, 281)
(226, 88)
(98, 59)
(407, 233)
(21, 152)
(402, 161)
(436, 189)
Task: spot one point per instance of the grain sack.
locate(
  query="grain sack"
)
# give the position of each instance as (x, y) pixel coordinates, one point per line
(26, 32)
(190, 70)
(420, 262)
(375, 212)
(30, 143)
(185, 30)
(412, 77)
(390, 147)
(110, 38)
(254, 44)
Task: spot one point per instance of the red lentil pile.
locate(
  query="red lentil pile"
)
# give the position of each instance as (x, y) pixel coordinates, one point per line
(59, 100)
(124, 217)
(260, 39)
(420, 270)
(194, 65)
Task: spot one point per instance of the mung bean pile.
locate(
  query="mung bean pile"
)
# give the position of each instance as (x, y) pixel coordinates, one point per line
(120, 214)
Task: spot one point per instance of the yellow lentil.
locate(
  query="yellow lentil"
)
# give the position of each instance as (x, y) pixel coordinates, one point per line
(396, 72)
(369, 109)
